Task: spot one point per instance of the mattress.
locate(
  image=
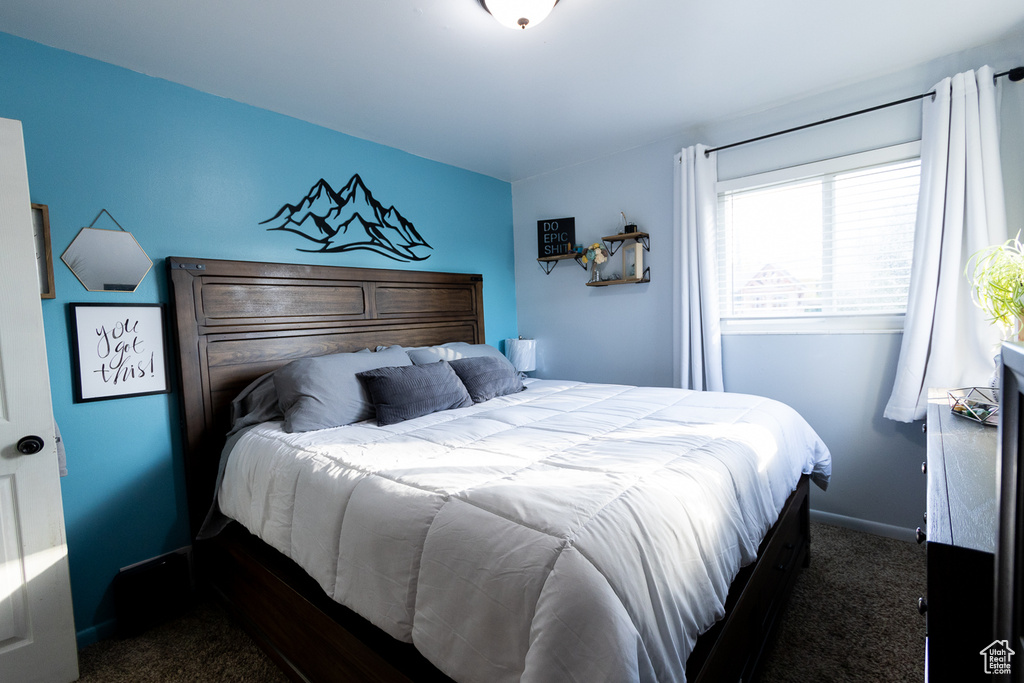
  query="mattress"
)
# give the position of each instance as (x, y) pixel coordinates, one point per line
(568, 532)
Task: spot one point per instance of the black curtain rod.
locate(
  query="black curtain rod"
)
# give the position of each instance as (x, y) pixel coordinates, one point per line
(1015, 74)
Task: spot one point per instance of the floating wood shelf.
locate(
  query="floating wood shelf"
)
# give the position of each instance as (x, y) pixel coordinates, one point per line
(615, 241)
(548, 263)
(626, 281)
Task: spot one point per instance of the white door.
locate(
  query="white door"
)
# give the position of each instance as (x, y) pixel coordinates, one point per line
(37, 627)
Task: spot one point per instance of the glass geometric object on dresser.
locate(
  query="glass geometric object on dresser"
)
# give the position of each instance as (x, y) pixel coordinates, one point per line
(980, 404)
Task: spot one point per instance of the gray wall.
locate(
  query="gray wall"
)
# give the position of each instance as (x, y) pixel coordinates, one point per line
(839, 382)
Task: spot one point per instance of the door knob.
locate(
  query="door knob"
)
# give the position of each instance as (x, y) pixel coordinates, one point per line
(30, 444)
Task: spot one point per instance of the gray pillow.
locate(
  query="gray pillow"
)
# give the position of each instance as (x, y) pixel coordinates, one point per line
(487, 377)
(323, 392)
(256, 403)
(402, 393)
(451, 351)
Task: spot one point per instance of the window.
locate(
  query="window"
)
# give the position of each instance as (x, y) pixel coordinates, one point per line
(824, 246)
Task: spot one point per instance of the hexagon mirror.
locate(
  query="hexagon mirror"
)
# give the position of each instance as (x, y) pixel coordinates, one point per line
(107, 260)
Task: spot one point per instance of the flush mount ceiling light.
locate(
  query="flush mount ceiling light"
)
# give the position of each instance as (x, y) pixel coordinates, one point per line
(519, 14)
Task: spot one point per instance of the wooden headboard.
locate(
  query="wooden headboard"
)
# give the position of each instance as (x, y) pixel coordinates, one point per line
(236, 320)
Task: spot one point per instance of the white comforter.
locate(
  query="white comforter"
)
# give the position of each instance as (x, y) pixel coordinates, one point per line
(570, 532)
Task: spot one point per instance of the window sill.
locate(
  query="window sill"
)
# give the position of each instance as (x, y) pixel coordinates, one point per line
(839, 324)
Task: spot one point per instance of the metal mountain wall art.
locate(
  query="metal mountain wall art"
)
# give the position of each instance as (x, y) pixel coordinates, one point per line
(349, 219)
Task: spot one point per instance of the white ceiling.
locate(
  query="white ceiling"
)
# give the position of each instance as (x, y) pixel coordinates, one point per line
(443, 80)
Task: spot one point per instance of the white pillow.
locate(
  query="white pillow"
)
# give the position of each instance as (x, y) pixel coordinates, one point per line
(425, 355)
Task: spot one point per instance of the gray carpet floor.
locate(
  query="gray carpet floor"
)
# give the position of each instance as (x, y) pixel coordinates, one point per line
(853, 613)
(852, 617)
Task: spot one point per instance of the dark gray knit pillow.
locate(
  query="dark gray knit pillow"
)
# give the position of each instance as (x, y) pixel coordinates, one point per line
(487, 377)
(404, 392)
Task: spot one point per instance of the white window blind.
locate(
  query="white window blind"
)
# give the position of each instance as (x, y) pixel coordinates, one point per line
(832, 239)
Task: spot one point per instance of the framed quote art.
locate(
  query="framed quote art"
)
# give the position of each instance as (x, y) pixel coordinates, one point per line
(118, 350)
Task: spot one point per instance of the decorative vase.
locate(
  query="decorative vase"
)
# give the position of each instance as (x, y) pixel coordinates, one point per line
(595, 274)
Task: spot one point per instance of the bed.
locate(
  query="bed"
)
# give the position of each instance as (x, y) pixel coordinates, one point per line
(455, 499)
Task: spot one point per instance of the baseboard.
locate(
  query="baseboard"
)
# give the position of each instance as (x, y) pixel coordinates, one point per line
(95, 634)
(109, 628)
(866, 526)
(150, 592)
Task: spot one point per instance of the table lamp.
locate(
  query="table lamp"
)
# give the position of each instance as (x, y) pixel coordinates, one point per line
(522, 353)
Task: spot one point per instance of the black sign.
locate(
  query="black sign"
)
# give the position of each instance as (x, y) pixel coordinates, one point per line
(555, 236)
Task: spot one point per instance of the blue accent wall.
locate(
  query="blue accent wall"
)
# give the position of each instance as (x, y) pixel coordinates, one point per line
(192, 174)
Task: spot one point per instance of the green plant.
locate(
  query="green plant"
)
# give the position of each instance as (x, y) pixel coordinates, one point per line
(997, 281)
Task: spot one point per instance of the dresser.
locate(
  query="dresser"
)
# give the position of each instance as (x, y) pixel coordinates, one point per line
(960, 537)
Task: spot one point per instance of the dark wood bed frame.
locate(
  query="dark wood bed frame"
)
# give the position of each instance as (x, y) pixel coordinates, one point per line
(236, 320)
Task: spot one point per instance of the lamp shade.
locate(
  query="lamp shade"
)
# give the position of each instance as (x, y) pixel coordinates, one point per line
(519, 14)
(522, 353)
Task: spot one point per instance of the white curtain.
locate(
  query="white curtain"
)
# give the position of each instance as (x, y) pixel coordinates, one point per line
(697, 338)
(947, 341)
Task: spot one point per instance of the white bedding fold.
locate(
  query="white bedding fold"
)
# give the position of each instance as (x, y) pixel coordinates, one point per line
(568, 532)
